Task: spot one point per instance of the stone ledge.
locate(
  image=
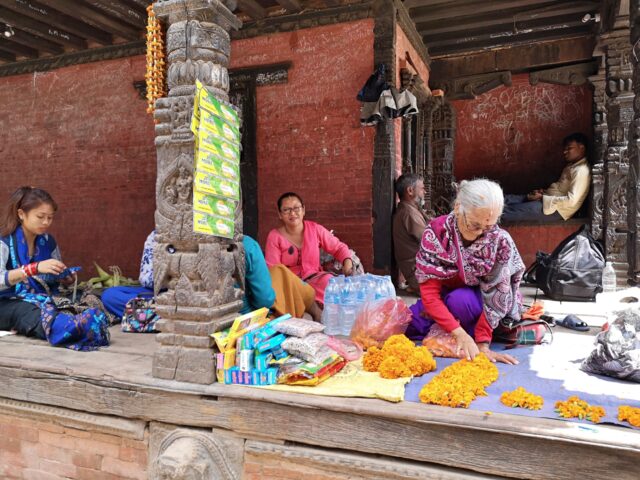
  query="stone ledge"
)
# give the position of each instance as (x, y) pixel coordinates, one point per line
(120, 427)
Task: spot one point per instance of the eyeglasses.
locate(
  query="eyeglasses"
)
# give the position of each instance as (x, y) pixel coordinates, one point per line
(475, 227)
(289, 211)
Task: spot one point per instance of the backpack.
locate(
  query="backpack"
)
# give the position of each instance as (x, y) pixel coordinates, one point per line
(140, 315)
(573, 271)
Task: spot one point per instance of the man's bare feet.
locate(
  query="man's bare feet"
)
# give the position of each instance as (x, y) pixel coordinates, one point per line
(315, 311)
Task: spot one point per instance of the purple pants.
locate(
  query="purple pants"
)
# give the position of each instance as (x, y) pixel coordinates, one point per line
(464, 303)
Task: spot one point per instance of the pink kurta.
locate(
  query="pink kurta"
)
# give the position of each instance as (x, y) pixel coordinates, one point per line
(305, 261)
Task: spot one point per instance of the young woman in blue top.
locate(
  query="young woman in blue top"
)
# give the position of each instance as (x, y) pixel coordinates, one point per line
(29, 258)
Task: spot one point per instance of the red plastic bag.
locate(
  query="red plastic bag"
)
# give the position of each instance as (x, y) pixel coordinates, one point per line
(378, 320)
(440, 343)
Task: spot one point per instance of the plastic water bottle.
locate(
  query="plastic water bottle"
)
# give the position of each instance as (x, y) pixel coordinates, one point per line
(349, 306)
(331, 312)
(608, 278)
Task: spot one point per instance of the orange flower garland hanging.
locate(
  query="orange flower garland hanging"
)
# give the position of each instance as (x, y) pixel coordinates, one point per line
(155, 75)
(574, 407)
(460, 383)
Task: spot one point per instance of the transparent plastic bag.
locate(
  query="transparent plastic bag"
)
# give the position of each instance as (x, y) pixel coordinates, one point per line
(345, 348)
(440, 343)
(378, 320)
(313, 348)
(298, 327)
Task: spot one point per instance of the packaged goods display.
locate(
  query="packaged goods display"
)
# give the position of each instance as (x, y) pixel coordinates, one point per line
(253, 351)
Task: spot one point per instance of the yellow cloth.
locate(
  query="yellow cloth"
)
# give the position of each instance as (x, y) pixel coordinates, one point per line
(353, 381)
(292, 294)
(567, 194)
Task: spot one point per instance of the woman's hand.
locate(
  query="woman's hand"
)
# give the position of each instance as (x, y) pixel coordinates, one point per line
(347, 267)
(497, 357)
(52, 266)
(68, 280)
(467, 347)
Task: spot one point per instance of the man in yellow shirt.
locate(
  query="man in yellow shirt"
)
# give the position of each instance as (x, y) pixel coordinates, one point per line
(562, 199)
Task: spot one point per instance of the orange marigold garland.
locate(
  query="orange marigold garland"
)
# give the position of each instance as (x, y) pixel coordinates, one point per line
(398, 357)
(155, 74)
(574, 407)
(630, 414)
(521, 398)
(460, 383)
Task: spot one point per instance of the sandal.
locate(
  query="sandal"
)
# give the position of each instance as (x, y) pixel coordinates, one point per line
(573, 322)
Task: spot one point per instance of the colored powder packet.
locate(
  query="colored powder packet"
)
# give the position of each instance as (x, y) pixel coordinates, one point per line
(219, 128)
(217, 165)
(208, 101)
(207, 183)
(218, 146)
(213, 205)
(212, 225)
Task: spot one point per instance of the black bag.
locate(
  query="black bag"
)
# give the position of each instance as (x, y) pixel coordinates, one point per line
(375, 85)
(573, 271)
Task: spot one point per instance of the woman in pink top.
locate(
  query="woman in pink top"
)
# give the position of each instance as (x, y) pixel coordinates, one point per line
(297, 242)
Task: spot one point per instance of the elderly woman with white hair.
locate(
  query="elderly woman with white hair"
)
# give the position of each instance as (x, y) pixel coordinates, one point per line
(469, 272)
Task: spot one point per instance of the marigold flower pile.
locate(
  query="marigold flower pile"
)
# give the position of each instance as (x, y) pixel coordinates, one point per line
(398, 357)
(459, 384)
(574, 407)
(155, 74)
(630, 414)
(521, 398)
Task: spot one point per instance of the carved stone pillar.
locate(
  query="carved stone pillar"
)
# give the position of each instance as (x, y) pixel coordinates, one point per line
(439, 125)
(199, 272)
(598, 151)
(619, 105)
(633, 197)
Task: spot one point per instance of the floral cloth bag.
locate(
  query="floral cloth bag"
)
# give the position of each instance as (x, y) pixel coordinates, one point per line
(140, 315)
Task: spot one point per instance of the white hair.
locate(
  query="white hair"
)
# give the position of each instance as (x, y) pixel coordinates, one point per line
(480, 193)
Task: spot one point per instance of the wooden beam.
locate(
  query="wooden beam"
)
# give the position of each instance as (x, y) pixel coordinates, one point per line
(20, 50)
(7, 56)
(89, 15)
(431, 3)
(489, 43)
(143, 4)
(252, 8)
(40, 29)
(292, 6)
(24, 38)
(124, 13)
(47, 15)
(508, 29)
(476, 8)
(491, 19)
(522, 57)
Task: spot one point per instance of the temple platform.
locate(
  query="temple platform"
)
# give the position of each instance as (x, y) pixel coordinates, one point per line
(102, 415)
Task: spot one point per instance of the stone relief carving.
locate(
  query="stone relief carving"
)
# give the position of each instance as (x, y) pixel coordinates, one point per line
(192, 455)
(633, 184)
(619, 115)
(199, 273)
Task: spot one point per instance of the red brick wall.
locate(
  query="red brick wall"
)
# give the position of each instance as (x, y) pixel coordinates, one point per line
(82, 133)
(309, 138)
(514, 134)
(32, 450)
